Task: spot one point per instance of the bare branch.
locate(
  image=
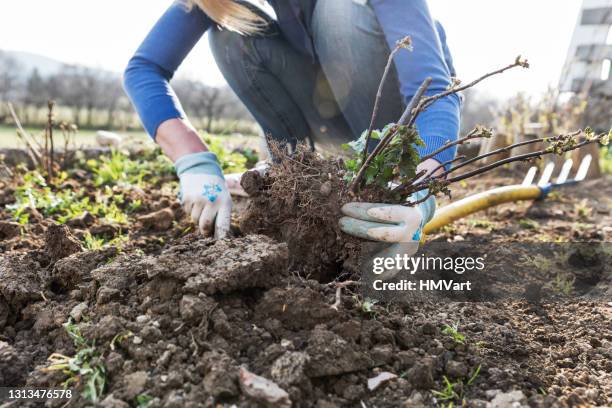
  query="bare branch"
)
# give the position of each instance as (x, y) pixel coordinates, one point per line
(424, 184)
(34, 153)
(379, 93)
(508, 148)
(414, 102)
(476, 133)
(426, 102)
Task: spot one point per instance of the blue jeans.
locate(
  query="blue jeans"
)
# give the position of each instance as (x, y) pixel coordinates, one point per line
(325, 103)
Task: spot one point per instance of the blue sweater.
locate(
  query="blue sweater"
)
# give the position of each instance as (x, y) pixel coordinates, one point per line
(147, 76)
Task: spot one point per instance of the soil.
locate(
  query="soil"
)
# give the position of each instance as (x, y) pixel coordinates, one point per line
(181, 318)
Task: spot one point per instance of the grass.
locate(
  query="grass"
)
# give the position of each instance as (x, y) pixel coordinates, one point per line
(85, 369)
(563, 284)
(540, 262)
(366, 306)
(453, 392)
(482, 223)
(453, 333)
(143, 401)
(63, 205)
(528, 224)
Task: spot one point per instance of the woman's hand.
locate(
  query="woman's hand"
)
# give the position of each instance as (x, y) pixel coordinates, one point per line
(388, 222)
(391, 223)
(204, 193)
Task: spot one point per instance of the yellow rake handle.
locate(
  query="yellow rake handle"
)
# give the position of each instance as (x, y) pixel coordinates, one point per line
(481, 201)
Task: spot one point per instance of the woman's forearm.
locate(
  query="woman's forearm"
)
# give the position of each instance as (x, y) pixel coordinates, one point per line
(177, 138)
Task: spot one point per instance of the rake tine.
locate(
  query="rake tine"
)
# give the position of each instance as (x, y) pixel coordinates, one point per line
(530, 176)
(565, 171)
(546, 174)
(584, 168)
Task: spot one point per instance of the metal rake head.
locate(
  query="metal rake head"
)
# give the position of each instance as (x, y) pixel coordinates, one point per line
(562, 178)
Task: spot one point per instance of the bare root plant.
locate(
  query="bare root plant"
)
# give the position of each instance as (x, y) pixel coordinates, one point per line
(394, 160)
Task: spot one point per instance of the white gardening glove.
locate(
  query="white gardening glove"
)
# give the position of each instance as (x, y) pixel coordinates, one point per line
(387, 222)
(233, 180)
(204, 193)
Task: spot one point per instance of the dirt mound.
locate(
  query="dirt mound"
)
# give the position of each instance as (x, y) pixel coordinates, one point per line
(176, 328)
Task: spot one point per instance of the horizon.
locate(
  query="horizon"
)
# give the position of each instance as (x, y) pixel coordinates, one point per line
(542, 35)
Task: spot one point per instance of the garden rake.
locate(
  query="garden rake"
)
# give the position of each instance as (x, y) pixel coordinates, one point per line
(507, 194)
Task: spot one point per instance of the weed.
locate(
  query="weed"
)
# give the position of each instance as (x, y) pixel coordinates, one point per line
(64, 205)
(119, 169)
(539, 262)
(448, 393)
(563, 284)
(453, 392)
(366, 305)
(85, 368)
(583, 210)
(529, 224)
(143, 400)
(93, 242)
(485, 224)
(120, 338)
(231, 162)
(453, 332)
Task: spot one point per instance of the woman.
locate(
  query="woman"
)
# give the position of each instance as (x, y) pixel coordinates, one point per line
(310, 73)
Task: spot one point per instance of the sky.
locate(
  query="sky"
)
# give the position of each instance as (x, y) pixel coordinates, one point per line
(483, 35)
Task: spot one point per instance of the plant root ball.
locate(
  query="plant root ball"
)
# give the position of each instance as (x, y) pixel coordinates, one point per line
(299, 201)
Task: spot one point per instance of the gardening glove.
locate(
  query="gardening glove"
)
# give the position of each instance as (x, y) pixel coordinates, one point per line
(233, 180)
(204, 194)
(388, 222)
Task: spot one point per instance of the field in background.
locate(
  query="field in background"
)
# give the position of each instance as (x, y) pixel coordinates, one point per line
(9, 139)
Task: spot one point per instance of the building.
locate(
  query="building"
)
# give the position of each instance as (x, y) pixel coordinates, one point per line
(588, 66)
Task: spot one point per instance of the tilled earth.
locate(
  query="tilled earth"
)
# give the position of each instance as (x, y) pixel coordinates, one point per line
(187, 322)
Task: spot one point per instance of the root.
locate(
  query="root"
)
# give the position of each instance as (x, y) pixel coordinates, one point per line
(339, 286)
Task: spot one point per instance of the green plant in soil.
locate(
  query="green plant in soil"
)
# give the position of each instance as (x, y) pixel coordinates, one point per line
(452, 331)
(63, 205)
(119, 169)
(143, 401)
(453, 392)
(480, 223)
(367, 306)
(231, 162)
(85, 369)
(93, 242)
(563, 284)
(528, 224)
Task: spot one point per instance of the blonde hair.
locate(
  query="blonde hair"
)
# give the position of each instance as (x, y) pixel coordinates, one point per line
(230, 15)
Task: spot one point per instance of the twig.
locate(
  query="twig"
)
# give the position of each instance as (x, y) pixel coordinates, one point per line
(474, 134)
(51, 152)
(508, 148)
(446, 163)
(35, 155)
(426, 102)
(379, 93)
(523, 157)
(414, 102)
(421, 201)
